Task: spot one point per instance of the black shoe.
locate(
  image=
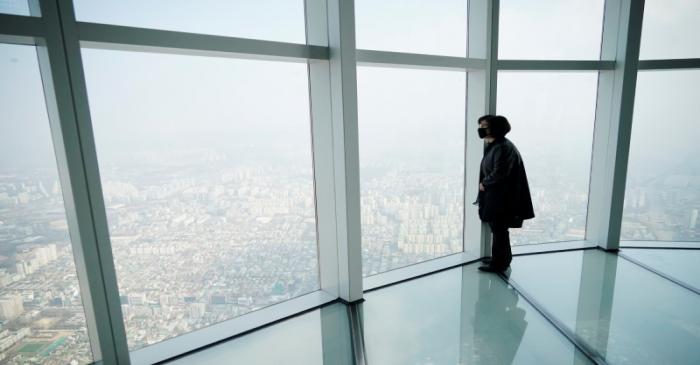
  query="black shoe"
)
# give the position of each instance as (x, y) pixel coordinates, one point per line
(486, 260)
(490, 268)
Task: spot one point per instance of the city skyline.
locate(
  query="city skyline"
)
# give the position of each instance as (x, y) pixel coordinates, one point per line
(182, 301)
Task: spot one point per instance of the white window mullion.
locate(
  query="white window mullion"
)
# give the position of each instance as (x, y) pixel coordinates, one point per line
(622, 28)
(333, 89)
(66, 95)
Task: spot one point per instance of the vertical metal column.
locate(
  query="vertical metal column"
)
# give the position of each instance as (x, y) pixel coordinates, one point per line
(323, 152)
(341, 37)
(481, 99)
(66, 98)
(333, 89)
(622, 28)
(492, 55)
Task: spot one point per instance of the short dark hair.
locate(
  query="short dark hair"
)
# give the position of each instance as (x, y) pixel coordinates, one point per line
(498, 124)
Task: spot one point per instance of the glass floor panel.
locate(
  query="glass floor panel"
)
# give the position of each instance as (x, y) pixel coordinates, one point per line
(459, 316)
(318, 337)
(683, 265)
(627, 314)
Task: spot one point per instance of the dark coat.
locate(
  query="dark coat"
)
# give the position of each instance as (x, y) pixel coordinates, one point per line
(506, 195)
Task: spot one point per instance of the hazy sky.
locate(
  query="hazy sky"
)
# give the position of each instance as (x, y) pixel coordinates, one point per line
(415, 26)
(666, 127)
(552, 115)
(280, 20)
(550, 29)
(17, 7)
(670, 29)
(154, 101)
(401, 111)
(25, 139)
(164, 104)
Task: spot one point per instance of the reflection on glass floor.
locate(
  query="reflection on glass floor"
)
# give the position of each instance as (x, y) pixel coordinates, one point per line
(318, 337)
(620, 312)
(683, 265)
(460, 316)
(627, 314)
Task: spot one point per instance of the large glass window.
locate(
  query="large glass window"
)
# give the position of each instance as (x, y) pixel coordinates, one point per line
(275, 20)
(662, 198)
(207, 177)
(41, 313)
(552, 116)
(413, 26)
(411, 130)
(671, 29)
(550, 29)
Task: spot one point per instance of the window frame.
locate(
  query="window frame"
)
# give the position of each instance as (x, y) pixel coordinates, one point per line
(332, 58)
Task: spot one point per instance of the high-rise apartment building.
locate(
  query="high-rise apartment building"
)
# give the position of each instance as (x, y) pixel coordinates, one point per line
(11, 307)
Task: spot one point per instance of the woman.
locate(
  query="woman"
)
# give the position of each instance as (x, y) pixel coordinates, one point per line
(504, 195)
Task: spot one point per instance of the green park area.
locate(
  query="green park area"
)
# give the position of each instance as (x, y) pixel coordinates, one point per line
(53, 346)
(32, 347)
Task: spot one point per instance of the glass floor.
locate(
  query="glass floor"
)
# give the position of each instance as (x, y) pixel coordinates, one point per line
(682, 265)
(615, 310)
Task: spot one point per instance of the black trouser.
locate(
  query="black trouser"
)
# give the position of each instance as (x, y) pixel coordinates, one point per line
(501, 255)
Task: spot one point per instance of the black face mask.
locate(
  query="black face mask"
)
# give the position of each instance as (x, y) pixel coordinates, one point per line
(482, 132)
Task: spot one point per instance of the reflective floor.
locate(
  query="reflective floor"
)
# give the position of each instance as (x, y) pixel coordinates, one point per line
(617, 310)
(318, 337)
(683, 265)
(627, 314)
(460, 316)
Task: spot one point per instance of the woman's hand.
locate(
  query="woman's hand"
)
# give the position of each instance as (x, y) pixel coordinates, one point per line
(481, 187)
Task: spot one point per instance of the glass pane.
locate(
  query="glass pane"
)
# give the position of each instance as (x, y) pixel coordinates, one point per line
(460, 316)
(550, 29)
(662, 198)
(552, 116)
(679, 264)
(627, 314)
(671, 29)
(411, 130)
(41, 312)
(414, 26)
(275, 20)
(208, 183)
(14, 7)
